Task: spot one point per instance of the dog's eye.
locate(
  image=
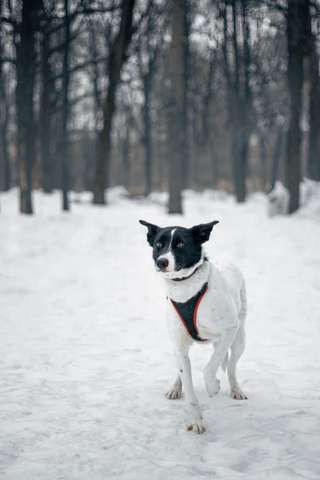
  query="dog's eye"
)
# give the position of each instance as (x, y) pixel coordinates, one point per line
(159, 245)
(180, 245)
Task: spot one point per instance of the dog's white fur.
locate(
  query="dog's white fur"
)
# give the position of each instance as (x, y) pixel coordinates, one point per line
(220, 319)
(168, 255)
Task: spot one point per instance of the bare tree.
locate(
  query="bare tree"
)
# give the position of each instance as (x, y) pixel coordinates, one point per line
(26, 69)
(5, 169)
(247, 112)
(125, 146)
(117, 58)
(295, 37)
(234, 99)
(95, 74)
(46, 105)
(314, 98)
(186, 86)
(64, 147)
(148, 48)
(176, 108)
(239, 97)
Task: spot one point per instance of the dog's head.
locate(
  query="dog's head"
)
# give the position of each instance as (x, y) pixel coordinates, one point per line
(177, 251)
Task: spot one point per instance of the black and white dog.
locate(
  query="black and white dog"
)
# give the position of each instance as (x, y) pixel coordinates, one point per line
(205, 304)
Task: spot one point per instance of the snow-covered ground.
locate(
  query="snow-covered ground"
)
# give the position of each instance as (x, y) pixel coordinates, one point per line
(85, 356)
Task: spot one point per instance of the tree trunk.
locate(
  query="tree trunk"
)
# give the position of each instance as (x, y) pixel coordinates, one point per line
(226, 63)
(147, 137)
(263, 157)
(238, 95)
(45, 116)
(247, 113)
(147, 70)
(187, 79)
(5, 171)
(125, 151)
(239, 143)
(26, 60)
(276, 157)
(207, 135)
(117, 58)
(64, 149)
(314, 101)
(95, 73)
(4, 154)
(295, 37)
(176, 133)
(230, 100)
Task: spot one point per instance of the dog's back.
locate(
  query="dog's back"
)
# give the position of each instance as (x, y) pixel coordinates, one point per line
(236, 286)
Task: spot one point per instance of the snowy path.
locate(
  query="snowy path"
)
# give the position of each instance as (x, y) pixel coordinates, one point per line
(85, 356)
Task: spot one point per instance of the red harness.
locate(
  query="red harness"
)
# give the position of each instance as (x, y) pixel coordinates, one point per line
(187, 312)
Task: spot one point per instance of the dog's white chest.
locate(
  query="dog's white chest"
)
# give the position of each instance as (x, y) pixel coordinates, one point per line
(218, 308)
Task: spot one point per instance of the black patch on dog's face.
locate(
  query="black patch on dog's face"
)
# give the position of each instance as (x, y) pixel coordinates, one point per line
(185, 244)
(182, 245)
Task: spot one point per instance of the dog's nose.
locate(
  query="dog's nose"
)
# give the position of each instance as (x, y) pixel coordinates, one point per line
(162, 263)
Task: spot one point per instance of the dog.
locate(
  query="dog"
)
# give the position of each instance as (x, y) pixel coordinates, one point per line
(205, 304)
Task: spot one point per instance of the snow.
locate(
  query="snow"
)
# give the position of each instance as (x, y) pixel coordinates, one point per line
(278, 199)
(86, 359)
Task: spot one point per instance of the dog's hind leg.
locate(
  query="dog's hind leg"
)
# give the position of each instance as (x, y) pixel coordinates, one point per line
(236, 349)
(176, 390)
(220, 351)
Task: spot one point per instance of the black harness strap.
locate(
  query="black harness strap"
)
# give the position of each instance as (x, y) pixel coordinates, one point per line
(187, 312)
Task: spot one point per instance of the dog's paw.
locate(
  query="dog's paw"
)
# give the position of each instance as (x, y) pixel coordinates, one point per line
(194, 420)
(174, 393)
(237, 394)
(212, 384)
(196, 427)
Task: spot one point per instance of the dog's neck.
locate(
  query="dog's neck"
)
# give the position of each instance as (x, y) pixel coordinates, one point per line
(187, 286)
(194, 269)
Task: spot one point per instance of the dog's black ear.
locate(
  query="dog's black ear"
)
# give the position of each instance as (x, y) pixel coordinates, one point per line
(152, 231)
(201, 233)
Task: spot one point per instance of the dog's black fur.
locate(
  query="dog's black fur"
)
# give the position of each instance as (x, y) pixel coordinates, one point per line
(186, 242)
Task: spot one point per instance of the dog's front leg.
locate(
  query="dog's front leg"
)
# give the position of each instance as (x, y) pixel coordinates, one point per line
(195, 422)
(175, 391)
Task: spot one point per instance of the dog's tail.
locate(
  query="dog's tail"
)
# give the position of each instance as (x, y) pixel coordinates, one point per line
(225, 362)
